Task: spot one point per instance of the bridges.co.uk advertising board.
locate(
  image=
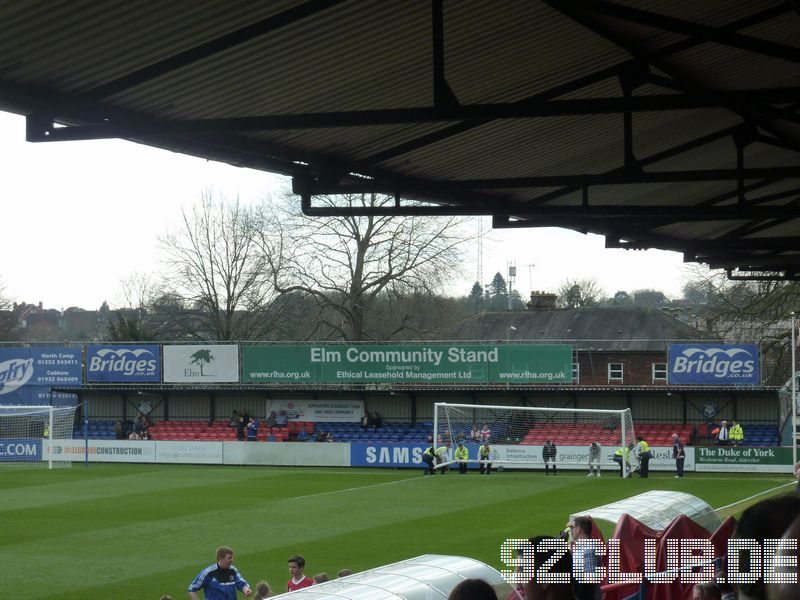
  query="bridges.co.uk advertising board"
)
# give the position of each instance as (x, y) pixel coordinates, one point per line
(123, 363)
(714, 364)
(408, 364)
(27, 374)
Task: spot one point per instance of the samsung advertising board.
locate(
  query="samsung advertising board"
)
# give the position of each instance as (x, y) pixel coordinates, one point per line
(203, 363)
(20, 449)
(117, 363)
(714, 364)
(391, 455)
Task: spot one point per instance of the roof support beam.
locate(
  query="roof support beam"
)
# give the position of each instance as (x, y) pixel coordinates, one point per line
(576, 84)
(409, 186)
(680, 26)
(405, 116)
(210, 48)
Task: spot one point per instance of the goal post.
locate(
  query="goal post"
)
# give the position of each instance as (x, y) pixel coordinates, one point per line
(26, 432)
(517, 434)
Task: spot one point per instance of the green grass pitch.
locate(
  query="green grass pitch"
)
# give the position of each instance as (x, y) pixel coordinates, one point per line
(139, 531)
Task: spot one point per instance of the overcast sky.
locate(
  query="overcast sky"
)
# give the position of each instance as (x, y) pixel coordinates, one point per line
(79, 217)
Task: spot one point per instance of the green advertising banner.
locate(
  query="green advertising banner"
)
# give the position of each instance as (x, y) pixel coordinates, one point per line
(406, 364)
(743, 460)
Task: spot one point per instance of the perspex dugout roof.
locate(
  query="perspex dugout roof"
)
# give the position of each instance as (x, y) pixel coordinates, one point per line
(657, 509)
(425, 577)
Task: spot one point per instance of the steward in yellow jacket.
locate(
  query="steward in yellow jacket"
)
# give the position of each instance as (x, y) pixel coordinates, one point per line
(461, 456)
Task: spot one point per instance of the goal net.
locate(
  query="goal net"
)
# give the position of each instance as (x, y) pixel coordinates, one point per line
(25, 433)
(517, 434)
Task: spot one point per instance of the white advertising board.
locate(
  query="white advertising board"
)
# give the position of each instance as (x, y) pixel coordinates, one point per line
(577, 457)
(206, 453)
(201, 363)
(345, 411)
(123, 451)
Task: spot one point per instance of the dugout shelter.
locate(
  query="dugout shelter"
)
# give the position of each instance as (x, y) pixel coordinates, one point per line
(655, 509)
(672, 125)
(425, 577)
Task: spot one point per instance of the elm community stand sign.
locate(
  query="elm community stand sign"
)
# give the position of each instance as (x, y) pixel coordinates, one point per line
(426, 364)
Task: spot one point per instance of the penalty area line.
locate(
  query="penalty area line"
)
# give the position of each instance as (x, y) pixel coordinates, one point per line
(754, 496)
(355, 489)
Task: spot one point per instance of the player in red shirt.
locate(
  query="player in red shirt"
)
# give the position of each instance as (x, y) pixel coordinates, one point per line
(298, 581)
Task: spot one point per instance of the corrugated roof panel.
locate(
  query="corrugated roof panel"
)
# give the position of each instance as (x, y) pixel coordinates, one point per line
(519, 147)
(497, 45)
(362, 56)
(113, 38)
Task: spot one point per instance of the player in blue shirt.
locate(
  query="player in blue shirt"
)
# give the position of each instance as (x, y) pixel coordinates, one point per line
(220, 580)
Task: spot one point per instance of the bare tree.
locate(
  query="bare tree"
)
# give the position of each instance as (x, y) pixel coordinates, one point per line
(217, 270)
(579, 293)
(8, 320)
(361, 270)
(750, 311)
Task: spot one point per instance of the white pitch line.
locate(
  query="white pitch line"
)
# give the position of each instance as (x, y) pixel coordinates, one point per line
(756, 495)
(353, 489)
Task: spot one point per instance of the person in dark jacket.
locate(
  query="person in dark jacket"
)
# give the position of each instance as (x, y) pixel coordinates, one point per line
(549, 452)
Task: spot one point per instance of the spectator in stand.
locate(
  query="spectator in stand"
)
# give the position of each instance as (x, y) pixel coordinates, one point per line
(474, 433)
(134, 436)
(484, 453)
(461, 456)
(706, 591)
(281, 420)
(234, 420)
(241, 426)
(297, 565)
(220, 580)
(786, 589)
(365, 421)
(472, 589)
(723, 435)
(535, 590)
(581, 529)
(142, 424)
(549, 452)
(252, 429)
(321, 578)
(595, 449)
(271, 420)
(119, 431)
(736, 433)
(343, 573)
(679, 454)
(377, 421)
(486, 433)
(262, 591)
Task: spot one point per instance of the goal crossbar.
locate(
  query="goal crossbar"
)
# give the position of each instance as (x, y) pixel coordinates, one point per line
(517, 434)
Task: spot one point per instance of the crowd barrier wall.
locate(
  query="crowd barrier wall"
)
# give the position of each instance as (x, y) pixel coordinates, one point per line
(742, 460)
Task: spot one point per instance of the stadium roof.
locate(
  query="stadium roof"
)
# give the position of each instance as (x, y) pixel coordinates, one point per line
(595, 329)
(672, 126)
